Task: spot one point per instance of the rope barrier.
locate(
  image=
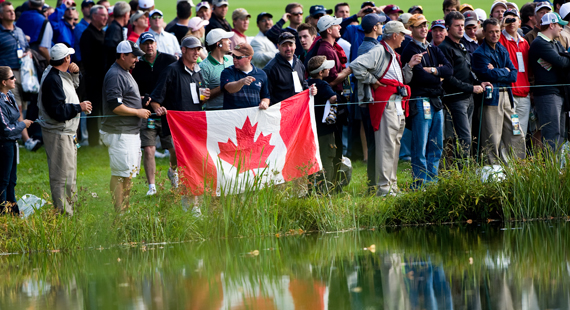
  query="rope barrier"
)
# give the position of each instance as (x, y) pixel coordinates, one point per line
(361, 102)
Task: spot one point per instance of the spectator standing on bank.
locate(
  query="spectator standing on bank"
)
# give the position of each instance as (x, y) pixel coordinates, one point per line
(35, 25)
(497, 10)
(527, 17)
(122, 101)
(285, 72)
(60, 110)
(12, 127)
(243, 84)
(240, 18)
(93, 46)
(426, 114)
(166, 42)
(86, 6)
(293, 15)
(438, 31)
(355, 34)
(329, 29)
(183, 13)
(203, 10)
(218, 43)
(147, 73)
(63, 23)
(462, 83)
(264, 50)
(549, 68)
(381, 75)
(117, 31)
(178, 89)
(491, 63)
(139, 22)
(518, 48)
(218, 18)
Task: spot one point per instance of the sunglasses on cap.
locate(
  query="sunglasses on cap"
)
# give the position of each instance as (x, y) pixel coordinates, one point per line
(395, 8)
(238, 57)
(439, 22)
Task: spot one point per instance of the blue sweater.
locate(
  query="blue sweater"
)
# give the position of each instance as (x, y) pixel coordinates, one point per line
(499, 76)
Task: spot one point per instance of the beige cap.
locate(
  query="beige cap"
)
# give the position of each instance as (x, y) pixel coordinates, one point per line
(395, 26)
(240, 13)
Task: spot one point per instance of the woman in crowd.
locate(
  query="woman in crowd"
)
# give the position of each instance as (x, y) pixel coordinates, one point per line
(12, 126)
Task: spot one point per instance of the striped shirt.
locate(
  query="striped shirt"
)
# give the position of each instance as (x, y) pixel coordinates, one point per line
(11, 39)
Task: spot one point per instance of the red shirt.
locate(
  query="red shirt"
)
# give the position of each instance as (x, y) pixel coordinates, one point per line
(133, 37)
(336, 53)
(521, 86)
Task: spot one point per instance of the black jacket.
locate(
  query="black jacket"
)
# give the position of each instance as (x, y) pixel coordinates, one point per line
(463, 79)
(274, 32)
(147, 75)
(549, 52)
(113, 36)
(216, 22)
(279, 74)
(94, 62)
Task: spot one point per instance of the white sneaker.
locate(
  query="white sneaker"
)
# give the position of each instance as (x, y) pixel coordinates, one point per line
(32, 145)
(151, 191)
(173, 176)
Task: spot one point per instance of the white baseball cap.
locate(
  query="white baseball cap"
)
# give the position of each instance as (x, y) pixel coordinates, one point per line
(552, 18)
(542, 5)
(126, 47)
(327, 21)
(155, 11)
(60, 51)
(564, 10)
(146, 4)
(481, 14)
(504, 4)
(327, 64)
(215, 35)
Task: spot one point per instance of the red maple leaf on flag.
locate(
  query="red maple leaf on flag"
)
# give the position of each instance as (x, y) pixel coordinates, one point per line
(247, 154)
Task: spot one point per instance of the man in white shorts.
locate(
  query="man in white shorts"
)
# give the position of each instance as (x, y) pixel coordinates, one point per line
(123, 107)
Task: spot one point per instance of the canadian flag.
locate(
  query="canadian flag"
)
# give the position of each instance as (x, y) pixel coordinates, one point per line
(230, 150)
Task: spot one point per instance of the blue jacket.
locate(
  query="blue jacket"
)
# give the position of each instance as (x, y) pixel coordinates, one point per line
(31, 23)
(62, 32)
(77, 32)
(499, 76)
(354, 34)
(9, 114)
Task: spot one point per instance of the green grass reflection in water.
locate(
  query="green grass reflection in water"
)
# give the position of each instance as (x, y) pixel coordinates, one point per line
(520, 266)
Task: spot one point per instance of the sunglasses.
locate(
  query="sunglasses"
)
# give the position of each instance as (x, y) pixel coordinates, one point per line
(297, 13)
(13, 77)
(239, 57)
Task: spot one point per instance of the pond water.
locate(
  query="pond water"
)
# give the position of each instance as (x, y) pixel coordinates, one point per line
(502, 266)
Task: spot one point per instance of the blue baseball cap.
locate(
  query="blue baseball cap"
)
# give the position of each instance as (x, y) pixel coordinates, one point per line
(147, 36)
(371, 20)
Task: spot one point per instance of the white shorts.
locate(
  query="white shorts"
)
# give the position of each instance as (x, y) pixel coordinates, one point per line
(124, 153)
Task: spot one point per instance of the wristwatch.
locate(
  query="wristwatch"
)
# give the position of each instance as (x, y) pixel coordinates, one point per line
(432, 70)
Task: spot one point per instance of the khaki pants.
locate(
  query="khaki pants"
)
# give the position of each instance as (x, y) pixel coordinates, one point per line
(387, 142)
(62, 162)
(497, 127)
(19, 92)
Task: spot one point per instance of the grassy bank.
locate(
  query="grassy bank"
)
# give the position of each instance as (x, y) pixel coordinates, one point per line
(534, 188)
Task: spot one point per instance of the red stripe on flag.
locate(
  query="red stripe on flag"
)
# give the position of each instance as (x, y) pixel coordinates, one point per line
(297, 134)
(190, 136)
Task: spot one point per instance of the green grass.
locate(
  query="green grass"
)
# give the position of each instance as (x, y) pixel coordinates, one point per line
(432, 9)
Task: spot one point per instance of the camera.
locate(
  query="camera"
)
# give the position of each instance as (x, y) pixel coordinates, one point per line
(402, 91)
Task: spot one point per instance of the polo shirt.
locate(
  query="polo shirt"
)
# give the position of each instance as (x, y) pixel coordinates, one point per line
(11, 39)
(119, 87)
(211, 72)
(179, 31)
(248, 95)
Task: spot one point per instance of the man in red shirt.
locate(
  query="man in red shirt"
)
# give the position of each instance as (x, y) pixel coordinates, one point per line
(518, 48)
(139, 21)
(329, 29)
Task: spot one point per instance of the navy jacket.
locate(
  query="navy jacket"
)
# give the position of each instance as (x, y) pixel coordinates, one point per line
(549, 52)
(9, 114)
(31, 23)
(499, 76)
(280, 76)
(425, 84)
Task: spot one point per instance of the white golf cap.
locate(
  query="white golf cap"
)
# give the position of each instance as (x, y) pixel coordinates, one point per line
(503, 4)
(215, 35)
(203, 4)
(146, 4)
(327, 21)
(481, 14)
(564, 10)
(327, 64)
(155, 11)
(126, 47)
(542, 5)
(60, 51)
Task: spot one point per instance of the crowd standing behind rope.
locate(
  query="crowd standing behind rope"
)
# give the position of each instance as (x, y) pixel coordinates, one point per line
(400, 86)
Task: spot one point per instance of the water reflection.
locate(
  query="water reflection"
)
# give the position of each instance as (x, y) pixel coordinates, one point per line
(520, 267)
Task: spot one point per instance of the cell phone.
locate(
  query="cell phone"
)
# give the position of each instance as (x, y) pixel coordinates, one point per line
(145, 99)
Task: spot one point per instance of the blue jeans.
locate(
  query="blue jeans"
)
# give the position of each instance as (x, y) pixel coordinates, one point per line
(406, 145)
(427, 143)
(7, 172)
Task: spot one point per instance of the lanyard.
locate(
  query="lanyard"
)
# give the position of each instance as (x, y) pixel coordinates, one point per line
(15, 38)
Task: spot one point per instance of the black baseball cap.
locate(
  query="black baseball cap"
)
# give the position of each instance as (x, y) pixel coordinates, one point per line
(261, 15)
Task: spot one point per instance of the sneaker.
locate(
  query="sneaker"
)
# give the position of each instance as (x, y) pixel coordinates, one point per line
(151, 191)
(173, 176)
(158, 154)
(32, 145)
